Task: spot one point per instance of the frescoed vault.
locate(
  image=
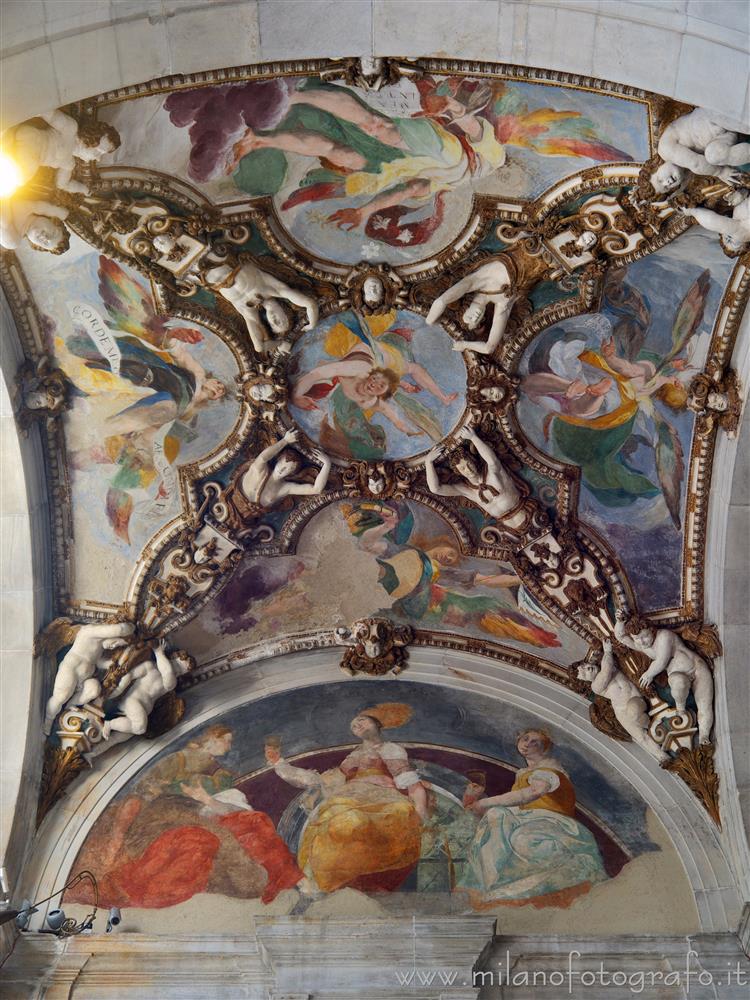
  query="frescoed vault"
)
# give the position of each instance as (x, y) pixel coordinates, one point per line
(374, 368)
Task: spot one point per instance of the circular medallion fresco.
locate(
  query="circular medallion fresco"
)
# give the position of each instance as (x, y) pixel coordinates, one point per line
(386, 386)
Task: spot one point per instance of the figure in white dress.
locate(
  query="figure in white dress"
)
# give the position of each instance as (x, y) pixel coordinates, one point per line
(76, 681)
(628, 703)
(685, 668)
(491, 285)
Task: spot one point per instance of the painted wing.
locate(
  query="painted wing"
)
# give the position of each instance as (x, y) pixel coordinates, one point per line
(549, 132)
(633, 311)
(119, 505)
(508, 624)
(670, 466)
(689, 315)
(131, 309)
(60, 632)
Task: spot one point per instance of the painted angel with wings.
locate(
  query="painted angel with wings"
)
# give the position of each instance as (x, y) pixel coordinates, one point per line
(606, 404)
(375, 373)
(146, 357)
(379, 168)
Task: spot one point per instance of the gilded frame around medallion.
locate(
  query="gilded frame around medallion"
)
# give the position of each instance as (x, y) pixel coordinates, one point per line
(329, 276)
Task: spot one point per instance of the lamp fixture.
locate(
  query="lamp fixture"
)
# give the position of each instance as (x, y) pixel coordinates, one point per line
(56, 921)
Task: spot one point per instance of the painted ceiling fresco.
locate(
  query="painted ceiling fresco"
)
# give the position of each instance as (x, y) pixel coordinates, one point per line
(322, 360)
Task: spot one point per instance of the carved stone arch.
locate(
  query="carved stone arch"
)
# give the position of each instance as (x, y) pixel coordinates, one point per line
(703, 857)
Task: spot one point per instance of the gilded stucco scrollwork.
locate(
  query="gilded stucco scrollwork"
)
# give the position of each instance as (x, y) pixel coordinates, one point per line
(368, 302)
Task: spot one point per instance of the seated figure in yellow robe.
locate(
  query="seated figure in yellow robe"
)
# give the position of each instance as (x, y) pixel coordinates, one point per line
(366, 832)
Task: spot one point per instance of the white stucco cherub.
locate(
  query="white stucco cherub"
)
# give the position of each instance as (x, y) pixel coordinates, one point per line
(685, 668)
(139, 690)
(627, 702)
(494, 492)
(36, 220)
(697, 143)
(76, 681)
(491, 285)
(735, 230)
(58, 143)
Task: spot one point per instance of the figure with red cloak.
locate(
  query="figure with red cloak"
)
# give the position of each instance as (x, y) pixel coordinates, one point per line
(187, 831)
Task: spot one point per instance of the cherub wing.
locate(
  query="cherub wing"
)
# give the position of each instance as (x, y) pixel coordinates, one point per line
(131, 309)
(348, 335)
(633, 312)
(705, 638)
(670, 465)
(60, 632)
(548, 132)
(689, 315)
(136, 471)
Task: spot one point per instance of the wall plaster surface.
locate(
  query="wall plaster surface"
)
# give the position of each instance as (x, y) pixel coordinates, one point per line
(694, 51)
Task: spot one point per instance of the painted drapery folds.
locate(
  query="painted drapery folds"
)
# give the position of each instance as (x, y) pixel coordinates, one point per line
(448, 355)
(388, 805)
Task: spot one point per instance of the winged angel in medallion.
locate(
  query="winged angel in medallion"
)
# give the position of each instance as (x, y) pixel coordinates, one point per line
(371, 376)
(148, 363)
(609, 403)
(379, 167)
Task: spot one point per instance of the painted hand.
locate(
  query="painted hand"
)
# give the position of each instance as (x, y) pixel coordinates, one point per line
(346, 218)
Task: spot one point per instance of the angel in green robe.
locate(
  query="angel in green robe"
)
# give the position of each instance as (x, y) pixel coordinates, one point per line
(647, 387)
(370, 376)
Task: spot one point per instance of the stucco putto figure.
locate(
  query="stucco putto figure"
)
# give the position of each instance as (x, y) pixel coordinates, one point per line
(697, 143)
(36, 220)
(628, 703)
(734, 229)
(57, 141)
(139, 690)
(76, 681)
(686, 669)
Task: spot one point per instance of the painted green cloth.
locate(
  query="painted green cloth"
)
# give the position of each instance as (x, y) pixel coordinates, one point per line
(364, 440)
(603, 469)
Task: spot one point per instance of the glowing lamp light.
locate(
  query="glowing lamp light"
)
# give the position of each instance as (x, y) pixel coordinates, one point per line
(10, 176)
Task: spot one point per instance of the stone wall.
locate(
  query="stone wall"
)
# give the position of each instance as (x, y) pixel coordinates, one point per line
(71, 49)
